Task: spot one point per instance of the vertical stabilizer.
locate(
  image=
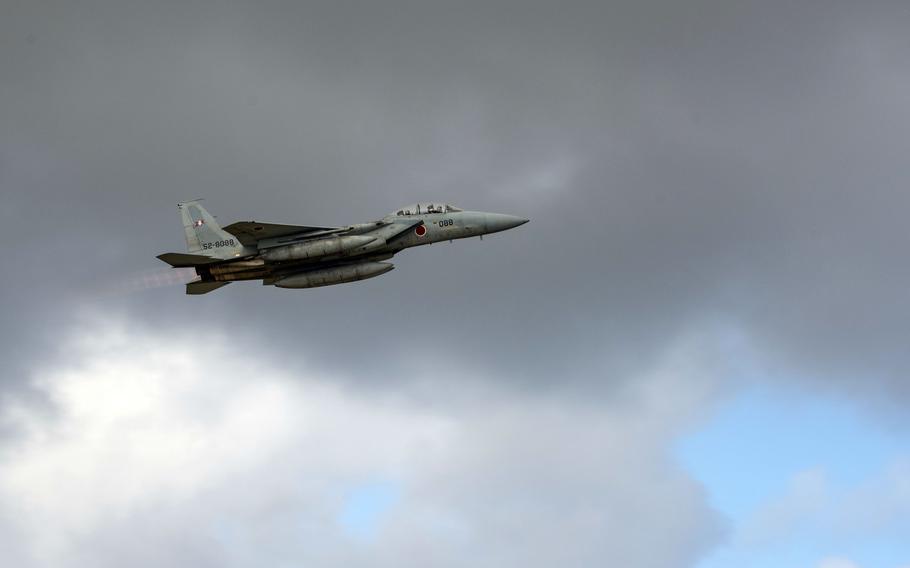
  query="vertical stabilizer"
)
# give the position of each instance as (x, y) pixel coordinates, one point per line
(203, 234)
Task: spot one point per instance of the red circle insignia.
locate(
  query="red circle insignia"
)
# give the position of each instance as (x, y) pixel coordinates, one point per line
(420, 230)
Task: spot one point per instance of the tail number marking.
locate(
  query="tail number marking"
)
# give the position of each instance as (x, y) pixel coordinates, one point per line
(219, 244)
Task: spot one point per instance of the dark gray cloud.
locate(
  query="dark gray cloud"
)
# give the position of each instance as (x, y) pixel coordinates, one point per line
(681, 164)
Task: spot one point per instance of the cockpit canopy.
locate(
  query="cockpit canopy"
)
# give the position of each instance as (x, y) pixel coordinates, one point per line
(421, 208)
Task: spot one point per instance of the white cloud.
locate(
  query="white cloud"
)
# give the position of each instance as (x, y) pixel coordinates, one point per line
(837, 563)
(198, 451)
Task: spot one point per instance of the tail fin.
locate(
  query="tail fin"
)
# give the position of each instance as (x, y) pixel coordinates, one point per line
(204, 235)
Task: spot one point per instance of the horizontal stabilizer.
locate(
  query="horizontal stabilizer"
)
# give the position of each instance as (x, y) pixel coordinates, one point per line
(196, 288)
(181, 260)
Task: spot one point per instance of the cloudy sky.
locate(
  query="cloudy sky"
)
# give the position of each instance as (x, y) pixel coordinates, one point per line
(694, 355)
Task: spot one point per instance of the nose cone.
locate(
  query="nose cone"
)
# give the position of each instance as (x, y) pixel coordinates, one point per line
(497, 222)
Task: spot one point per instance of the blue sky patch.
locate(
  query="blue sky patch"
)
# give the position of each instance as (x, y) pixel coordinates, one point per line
(752, 451)
(365, 505)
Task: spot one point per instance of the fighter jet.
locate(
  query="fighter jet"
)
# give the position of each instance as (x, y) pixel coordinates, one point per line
(296, 256)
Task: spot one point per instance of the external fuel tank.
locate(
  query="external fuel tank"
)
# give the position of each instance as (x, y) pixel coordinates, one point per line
(335, 275)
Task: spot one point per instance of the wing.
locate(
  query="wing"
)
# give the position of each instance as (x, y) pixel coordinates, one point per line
(251, 232)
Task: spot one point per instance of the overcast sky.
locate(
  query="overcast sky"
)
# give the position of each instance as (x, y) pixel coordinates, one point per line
(694, 355)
